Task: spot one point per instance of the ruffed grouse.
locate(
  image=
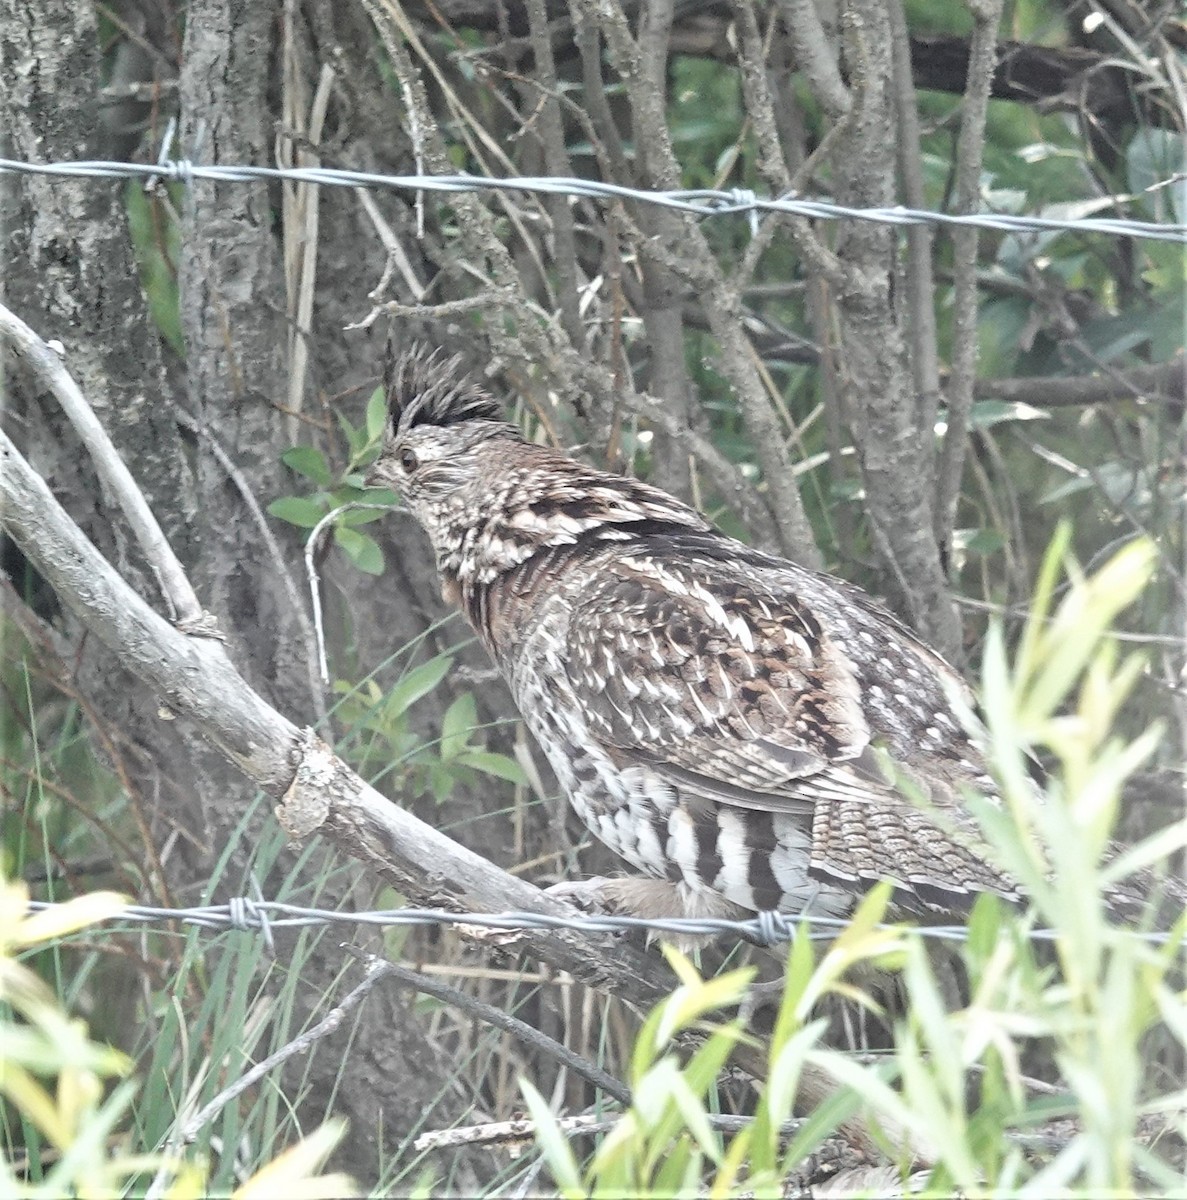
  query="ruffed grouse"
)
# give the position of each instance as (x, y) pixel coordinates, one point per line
(712, 711)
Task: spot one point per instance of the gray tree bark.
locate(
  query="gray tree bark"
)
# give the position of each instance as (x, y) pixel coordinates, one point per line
(68, 269)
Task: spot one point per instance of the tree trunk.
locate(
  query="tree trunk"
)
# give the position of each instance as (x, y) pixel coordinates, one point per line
(70, 273)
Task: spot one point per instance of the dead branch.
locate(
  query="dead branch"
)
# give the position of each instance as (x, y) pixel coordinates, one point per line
(970, 151)
(1163, 382)
(49, 370)
(499, 1019)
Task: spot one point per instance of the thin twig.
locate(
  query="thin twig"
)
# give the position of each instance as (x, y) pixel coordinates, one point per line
(499, 1019)
(1021, 612)
(693, 259)
(488, 301)
(760, 107)
(579, 1125)
(397, 258)
(376, 969)
(315, 580)
(306, 203)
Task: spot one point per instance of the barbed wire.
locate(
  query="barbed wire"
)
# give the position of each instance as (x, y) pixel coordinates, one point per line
(764, 928)
(700, 202)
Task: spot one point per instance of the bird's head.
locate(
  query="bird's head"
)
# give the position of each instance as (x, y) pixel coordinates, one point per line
(440, 425)
(488, 499)
(443, 441)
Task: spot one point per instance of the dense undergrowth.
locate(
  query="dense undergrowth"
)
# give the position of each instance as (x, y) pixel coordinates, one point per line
(950, 1099)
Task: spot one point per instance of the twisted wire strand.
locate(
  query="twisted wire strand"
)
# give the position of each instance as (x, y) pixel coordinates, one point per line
(765, 928)
(700, 202)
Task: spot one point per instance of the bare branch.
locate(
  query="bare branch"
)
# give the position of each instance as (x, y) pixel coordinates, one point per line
(760, 107)
(581, 1125)
(49, 370)
(921, 284)
(693, 259)
(815, 56)
(499, 1019)
(1164, 382)
(970, 149)
(556, 160)
(894, 452)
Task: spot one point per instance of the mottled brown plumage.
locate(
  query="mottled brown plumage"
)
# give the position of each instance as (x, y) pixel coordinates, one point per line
(742, 731)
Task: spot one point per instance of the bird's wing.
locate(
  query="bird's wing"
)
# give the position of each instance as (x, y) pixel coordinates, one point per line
(728, 689)
(727, 686)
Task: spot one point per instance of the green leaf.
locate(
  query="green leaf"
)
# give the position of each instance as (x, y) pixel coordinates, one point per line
(1078, 483)
(1044, 588)
(417, 683)
(441, 781)
(297, 510)
(376, 415)
(361, 549)
(980, 541)
(984, 924)
(310, 462)
(359, 516)
(553, 1143)
(356, 439)
(489, 763)
(1154, 157)
(457, 724)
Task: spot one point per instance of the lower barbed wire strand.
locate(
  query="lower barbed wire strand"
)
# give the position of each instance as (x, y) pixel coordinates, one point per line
(767, 928)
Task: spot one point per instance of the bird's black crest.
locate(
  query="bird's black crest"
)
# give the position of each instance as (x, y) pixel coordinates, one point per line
(425, 388)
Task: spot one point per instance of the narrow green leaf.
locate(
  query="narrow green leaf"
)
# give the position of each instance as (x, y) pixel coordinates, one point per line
(416, 683)
(1040, 604)
(554, 1145)
(692, 1109)
(986, 413)
(376, 415)
(984, 923)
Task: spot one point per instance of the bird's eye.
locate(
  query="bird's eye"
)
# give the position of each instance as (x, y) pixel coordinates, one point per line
(408, 459)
